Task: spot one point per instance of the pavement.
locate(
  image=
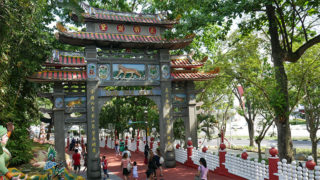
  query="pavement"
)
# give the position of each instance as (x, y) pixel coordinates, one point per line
(180, 172)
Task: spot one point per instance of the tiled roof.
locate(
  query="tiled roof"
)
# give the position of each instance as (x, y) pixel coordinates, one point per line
(186, 75)
(121, 40)
(101, 17)
(59, 75)
(185, 63)
(67, 61)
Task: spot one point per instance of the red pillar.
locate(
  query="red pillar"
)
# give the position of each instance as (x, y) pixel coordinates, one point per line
(106, 143)
(126, 142)
(138, 139)
(273, 163)
(189, 161)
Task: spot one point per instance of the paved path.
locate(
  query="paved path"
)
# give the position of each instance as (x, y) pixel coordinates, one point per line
(180, 172)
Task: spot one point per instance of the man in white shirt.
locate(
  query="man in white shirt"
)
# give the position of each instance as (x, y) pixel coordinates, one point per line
(126, 151)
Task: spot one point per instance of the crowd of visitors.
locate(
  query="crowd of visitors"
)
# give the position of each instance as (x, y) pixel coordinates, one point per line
(154, 162)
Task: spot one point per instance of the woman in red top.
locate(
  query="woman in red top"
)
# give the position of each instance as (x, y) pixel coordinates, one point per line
(76, 161)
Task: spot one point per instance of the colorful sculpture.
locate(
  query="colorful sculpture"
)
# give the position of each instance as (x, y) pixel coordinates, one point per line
(5, 156)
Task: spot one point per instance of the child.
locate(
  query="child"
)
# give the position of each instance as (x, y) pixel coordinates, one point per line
(135, 171)
(105, 167)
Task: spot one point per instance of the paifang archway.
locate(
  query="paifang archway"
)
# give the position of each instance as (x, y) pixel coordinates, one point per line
(121, 49)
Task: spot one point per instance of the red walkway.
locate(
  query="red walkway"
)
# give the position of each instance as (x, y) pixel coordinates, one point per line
(180, 172)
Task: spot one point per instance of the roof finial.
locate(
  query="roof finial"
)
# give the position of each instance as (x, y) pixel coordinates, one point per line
(60, 27)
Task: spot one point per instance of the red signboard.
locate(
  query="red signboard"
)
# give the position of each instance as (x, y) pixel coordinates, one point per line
(120, 28)
(137, 29)
(103, 27)
(152, 30)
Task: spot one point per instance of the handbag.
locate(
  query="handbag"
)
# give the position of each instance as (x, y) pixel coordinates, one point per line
(129, 167)
(161, 160)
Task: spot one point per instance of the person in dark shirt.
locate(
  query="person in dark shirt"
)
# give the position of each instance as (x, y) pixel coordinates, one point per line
(158, 159)
(152, 165)
(146, 153)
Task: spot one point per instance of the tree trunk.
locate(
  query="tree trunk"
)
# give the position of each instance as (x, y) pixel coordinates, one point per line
(259, 150)
(284, 141)
(281, 102)
(251, 132)
(314, 144)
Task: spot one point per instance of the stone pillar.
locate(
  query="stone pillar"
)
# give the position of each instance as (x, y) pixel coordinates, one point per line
(190, 122)
(58, 120)
(94, 170)
(166, 121)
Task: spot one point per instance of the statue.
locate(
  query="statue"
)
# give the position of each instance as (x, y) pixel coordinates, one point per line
(5, 155)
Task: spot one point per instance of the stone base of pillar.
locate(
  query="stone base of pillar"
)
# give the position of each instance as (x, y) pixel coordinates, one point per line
(170, 160)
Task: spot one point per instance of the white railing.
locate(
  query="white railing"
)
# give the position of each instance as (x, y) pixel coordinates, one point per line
(132, 146)
(141, 146)
(212, 160)
(292, 171)
(110, 143)
(181, 155)
(102, 142)
(246, 168)
(155, 146)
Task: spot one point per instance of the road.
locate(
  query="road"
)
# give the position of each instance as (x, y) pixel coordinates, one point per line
(267, 143)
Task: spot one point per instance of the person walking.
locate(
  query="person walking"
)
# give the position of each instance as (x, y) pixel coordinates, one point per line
(135, 171)
(85, 159)
(116, 147)
(126, 151)
(76, 161)
(152, 165)
(73, 142)
(159, 160)
(78, 147)
(202, 173)
(104, 164)
(125, 165)
(121, 147)
(146, 153)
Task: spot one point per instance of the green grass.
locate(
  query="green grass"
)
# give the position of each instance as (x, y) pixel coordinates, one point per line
(297, 121)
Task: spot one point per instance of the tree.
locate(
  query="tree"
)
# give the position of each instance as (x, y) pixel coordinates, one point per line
(120, 110)
(306, 74)
(24, 45)
(284, 21)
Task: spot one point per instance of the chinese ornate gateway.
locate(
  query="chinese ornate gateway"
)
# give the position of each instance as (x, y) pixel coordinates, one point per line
(121, 49)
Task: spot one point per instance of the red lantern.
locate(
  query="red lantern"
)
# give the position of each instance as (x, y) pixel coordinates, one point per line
(204, 149)
(177, 146)
(189, 142)
(222, 146)
(273, 151)
(244, 155)
(310, 164)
